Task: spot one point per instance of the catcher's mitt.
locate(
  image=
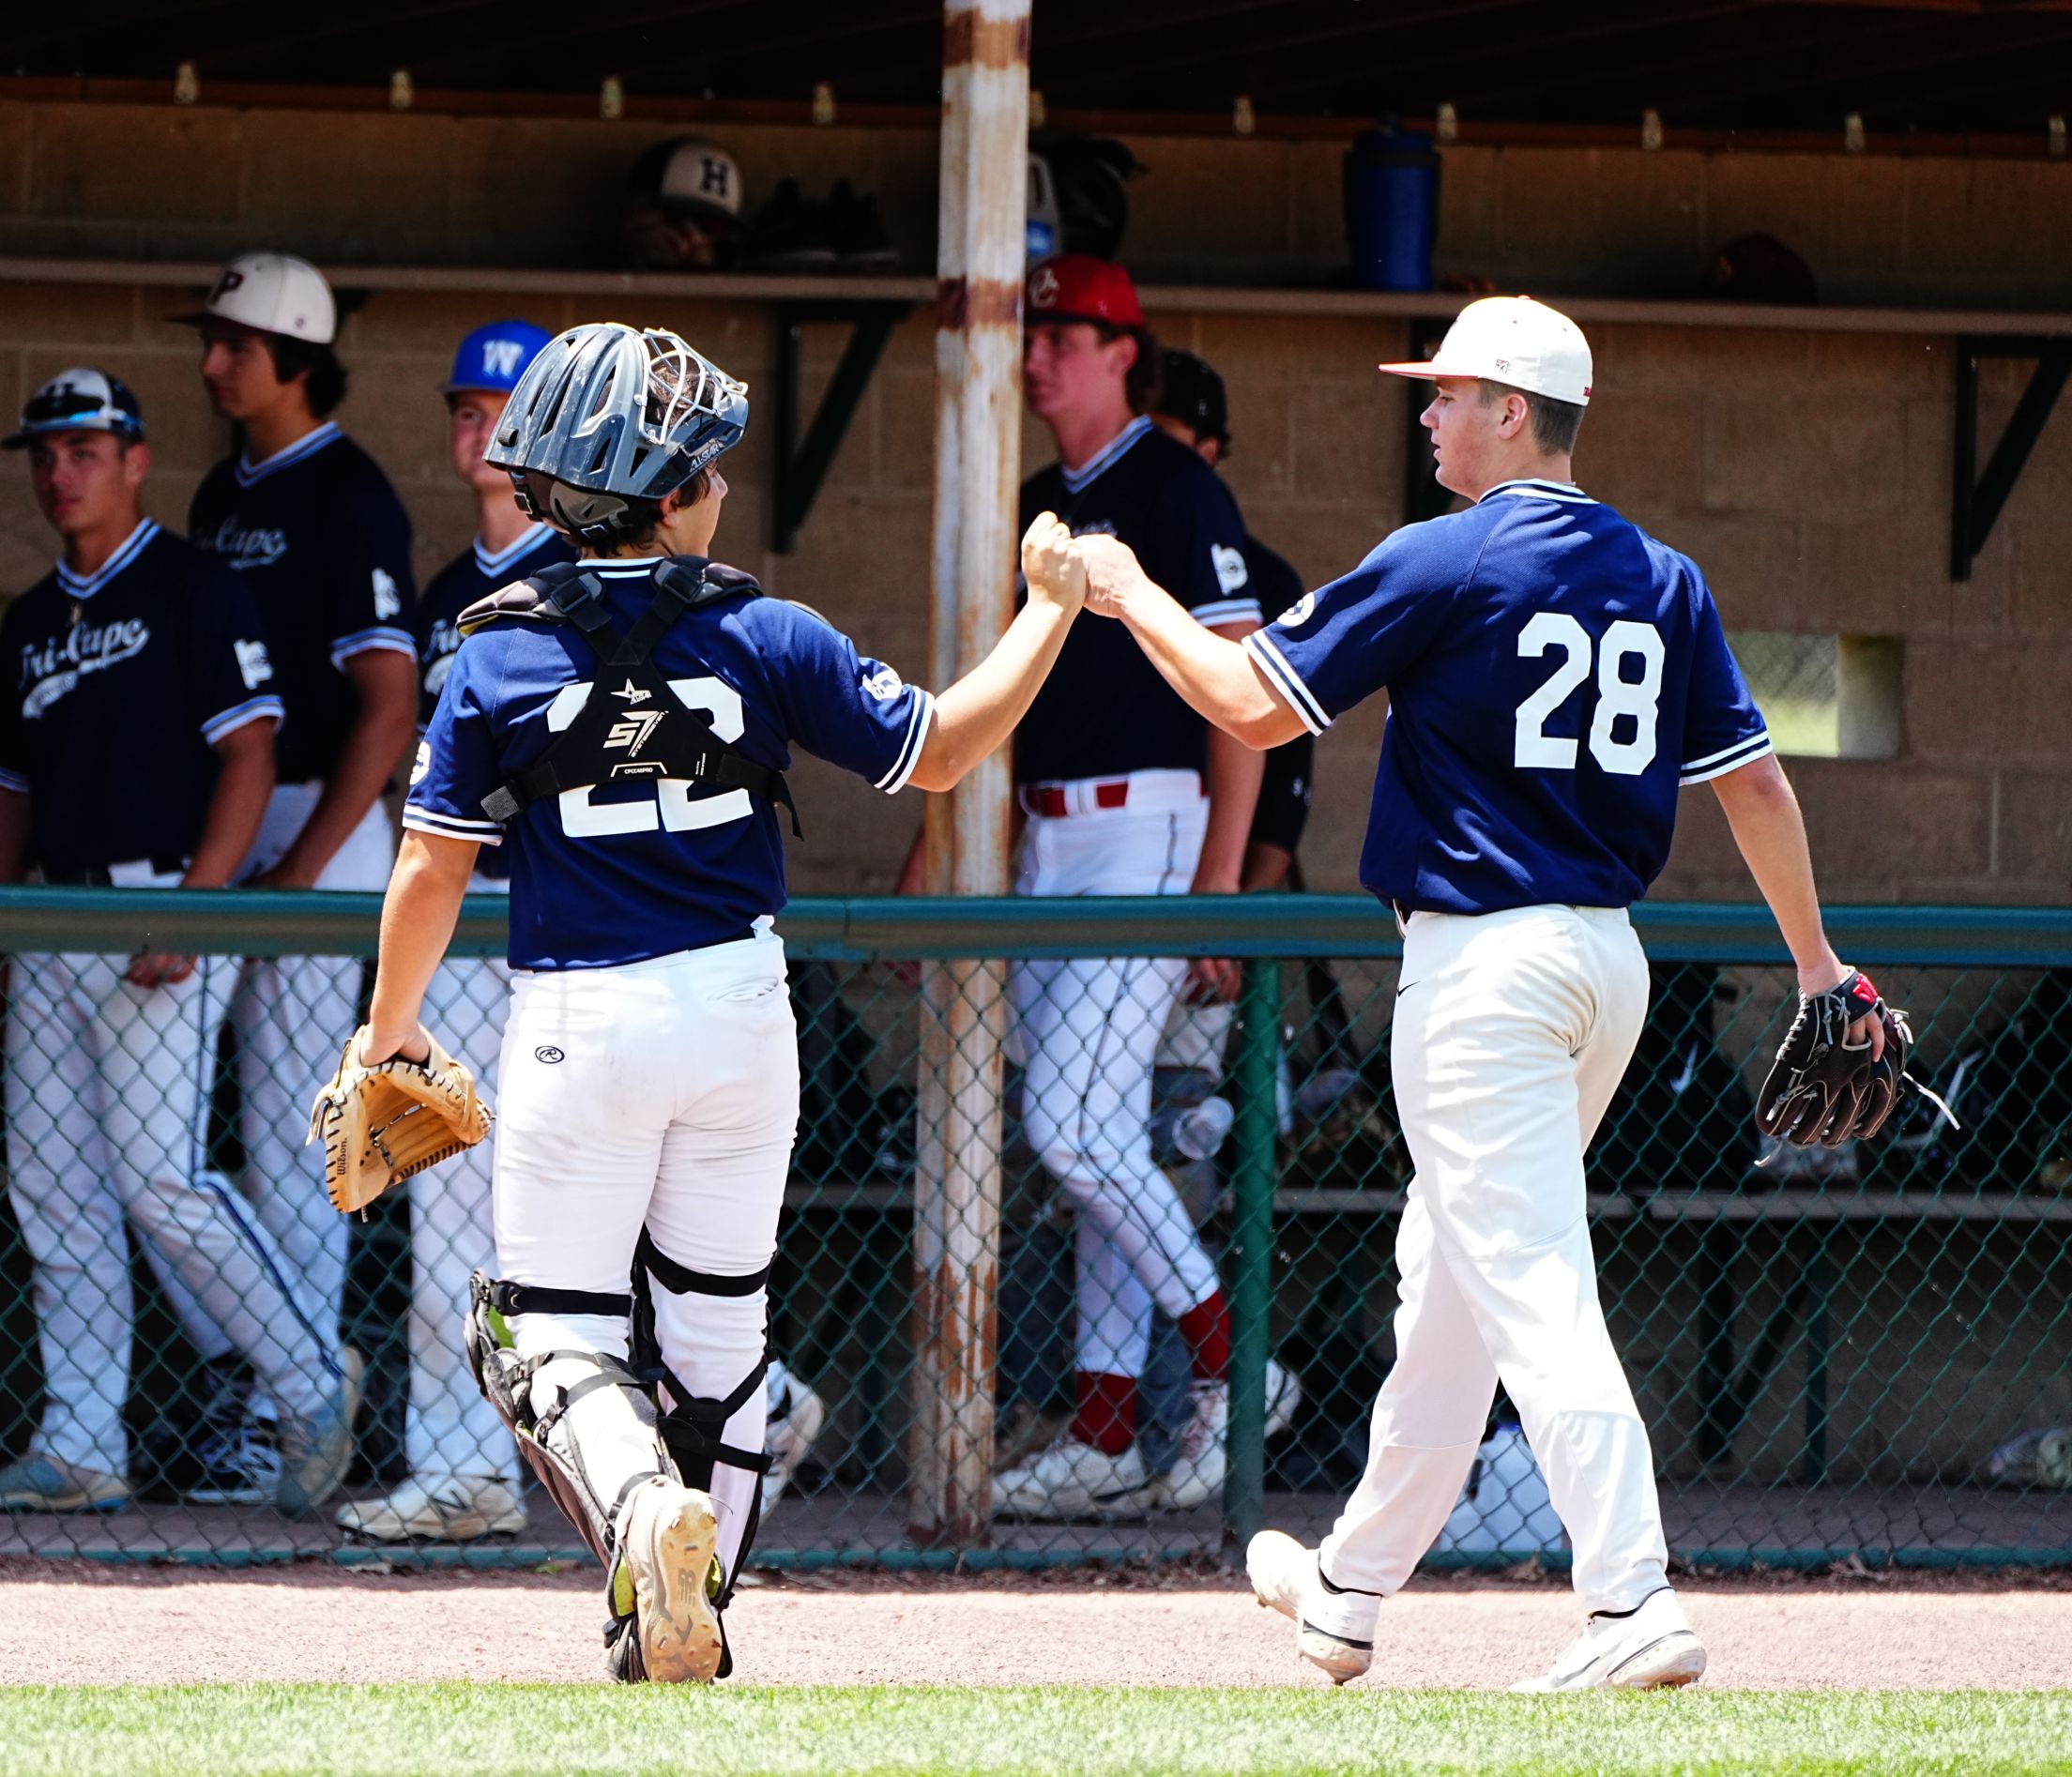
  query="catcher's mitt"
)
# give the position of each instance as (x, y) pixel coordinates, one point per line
(1822, 1089)
(383, 1123)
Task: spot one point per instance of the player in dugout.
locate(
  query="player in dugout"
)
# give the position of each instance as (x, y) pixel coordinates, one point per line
(136, 752)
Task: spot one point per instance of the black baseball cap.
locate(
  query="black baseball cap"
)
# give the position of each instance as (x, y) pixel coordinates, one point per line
(1192, 394)
(79, 399)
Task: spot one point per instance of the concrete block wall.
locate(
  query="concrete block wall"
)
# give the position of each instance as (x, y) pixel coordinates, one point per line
(1808, 473)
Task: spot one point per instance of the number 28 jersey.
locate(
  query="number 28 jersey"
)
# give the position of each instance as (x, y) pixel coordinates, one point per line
(1554, 675)
(612, 874)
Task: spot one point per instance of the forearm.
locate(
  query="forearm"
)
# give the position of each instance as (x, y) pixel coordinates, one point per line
(1235, 773)
(244, 780)
(14, 834)
(1212, 673)
(1771, 834)
(418, 916)
(978, 713)
(374, 745)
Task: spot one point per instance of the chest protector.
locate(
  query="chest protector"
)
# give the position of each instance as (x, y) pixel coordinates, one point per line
(636, 728)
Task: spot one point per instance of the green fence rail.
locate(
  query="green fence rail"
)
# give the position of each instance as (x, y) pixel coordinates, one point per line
(1865, 1355)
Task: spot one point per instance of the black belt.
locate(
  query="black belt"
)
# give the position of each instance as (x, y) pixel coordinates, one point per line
(101, 875)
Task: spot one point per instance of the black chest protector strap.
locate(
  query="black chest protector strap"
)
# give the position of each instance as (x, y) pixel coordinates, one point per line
(636, 727)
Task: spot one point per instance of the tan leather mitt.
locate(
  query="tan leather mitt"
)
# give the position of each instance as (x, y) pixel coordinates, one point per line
(381, 1124)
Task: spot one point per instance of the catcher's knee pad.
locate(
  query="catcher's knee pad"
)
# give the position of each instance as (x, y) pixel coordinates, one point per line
(694, 1427)
(538, 1412)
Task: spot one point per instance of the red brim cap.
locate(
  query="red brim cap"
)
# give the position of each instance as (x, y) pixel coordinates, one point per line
(1079, 287)
(1430, 373)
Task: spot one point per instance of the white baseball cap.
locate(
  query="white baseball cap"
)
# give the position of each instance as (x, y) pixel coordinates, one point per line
(1517, 341)
(272, 292)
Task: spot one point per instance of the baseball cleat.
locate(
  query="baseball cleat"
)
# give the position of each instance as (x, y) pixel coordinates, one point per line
(43, 1483)
(668, 1542)
(1069, 1480)
(1333, 1631)
(1204, 1456)
(236, 1467)
(796, 1416)
(1651, 1649)
(453, 1508)
(317, 1451)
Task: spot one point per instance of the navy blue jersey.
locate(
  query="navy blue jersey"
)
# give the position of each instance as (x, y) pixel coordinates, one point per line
(1105, 710)
(620, 873)
(475, 573)
(318, 535)
(118, 686)
(1553, 674)
(1290, 779)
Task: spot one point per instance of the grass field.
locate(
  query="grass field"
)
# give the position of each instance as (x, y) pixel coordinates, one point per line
(534, 1731)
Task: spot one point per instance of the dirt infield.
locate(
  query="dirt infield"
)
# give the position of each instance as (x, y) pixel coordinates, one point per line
(73, 1624)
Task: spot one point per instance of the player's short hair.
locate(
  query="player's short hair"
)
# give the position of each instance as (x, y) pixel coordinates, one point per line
(1555, 423)
(292, 358)
(1140, 381)
(645, 516)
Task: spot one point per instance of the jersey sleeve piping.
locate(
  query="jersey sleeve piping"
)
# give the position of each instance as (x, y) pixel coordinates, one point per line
(382, 637)
(1286, 680)
(1717, 764)
(1226, 610)
(451, 825)
(909, 753)
(252, 709)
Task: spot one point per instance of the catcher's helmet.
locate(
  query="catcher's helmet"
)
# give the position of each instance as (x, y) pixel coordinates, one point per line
(609, 419)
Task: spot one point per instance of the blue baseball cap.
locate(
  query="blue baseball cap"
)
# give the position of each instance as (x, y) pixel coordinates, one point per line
(492, 359)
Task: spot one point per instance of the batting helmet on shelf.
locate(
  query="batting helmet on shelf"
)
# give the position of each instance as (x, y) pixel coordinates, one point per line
(610, 418)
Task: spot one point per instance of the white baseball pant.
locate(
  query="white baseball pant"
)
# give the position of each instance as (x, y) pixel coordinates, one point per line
(451, 1428)
(663, 1094)
(108, 1088)
(1088, 1030)
(1512, 1031)
(292, 1015)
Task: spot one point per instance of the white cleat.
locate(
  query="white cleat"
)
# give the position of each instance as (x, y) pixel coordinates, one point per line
(1653, 1648)
(1333, 1631)
(668, 1538)
(455, 1508)
(796, 1416)
(1204, 1456)
(1068, 1479)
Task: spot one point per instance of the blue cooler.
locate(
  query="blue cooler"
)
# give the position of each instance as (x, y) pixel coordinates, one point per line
(1392, 208)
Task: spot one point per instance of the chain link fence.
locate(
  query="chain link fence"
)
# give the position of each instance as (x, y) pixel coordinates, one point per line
(1859, 1354)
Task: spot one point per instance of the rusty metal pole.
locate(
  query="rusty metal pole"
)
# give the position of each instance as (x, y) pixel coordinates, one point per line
(983, 187)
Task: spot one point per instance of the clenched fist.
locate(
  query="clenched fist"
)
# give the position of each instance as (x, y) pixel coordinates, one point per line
(1112, 570)
(1051, 565)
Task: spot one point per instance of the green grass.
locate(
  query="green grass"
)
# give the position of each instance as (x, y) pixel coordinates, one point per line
(520, 1730)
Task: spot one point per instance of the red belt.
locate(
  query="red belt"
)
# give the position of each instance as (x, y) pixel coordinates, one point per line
(1049, 800)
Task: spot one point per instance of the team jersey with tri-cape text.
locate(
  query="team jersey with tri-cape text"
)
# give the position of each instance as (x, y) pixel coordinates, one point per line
(1553, 674)
(318, 535)
(119, 684)
(609, 874)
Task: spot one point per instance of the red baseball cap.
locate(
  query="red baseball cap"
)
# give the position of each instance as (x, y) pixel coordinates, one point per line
(1079, 287)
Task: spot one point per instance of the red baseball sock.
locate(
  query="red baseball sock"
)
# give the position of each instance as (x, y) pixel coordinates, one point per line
(1107, 1411)
(1206, 1328)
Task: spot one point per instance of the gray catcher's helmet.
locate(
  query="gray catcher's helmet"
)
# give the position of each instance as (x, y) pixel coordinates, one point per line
(608, 420)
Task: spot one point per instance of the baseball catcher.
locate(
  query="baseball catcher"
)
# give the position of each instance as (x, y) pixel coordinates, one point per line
(379, 1124)
(1826, 1087)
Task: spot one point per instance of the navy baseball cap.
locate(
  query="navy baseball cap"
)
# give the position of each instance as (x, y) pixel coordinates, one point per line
(492, 359)
(1191, 392)
(79, 399)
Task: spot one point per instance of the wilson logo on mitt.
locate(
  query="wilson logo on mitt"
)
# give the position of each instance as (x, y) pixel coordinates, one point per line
(381, 1124)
